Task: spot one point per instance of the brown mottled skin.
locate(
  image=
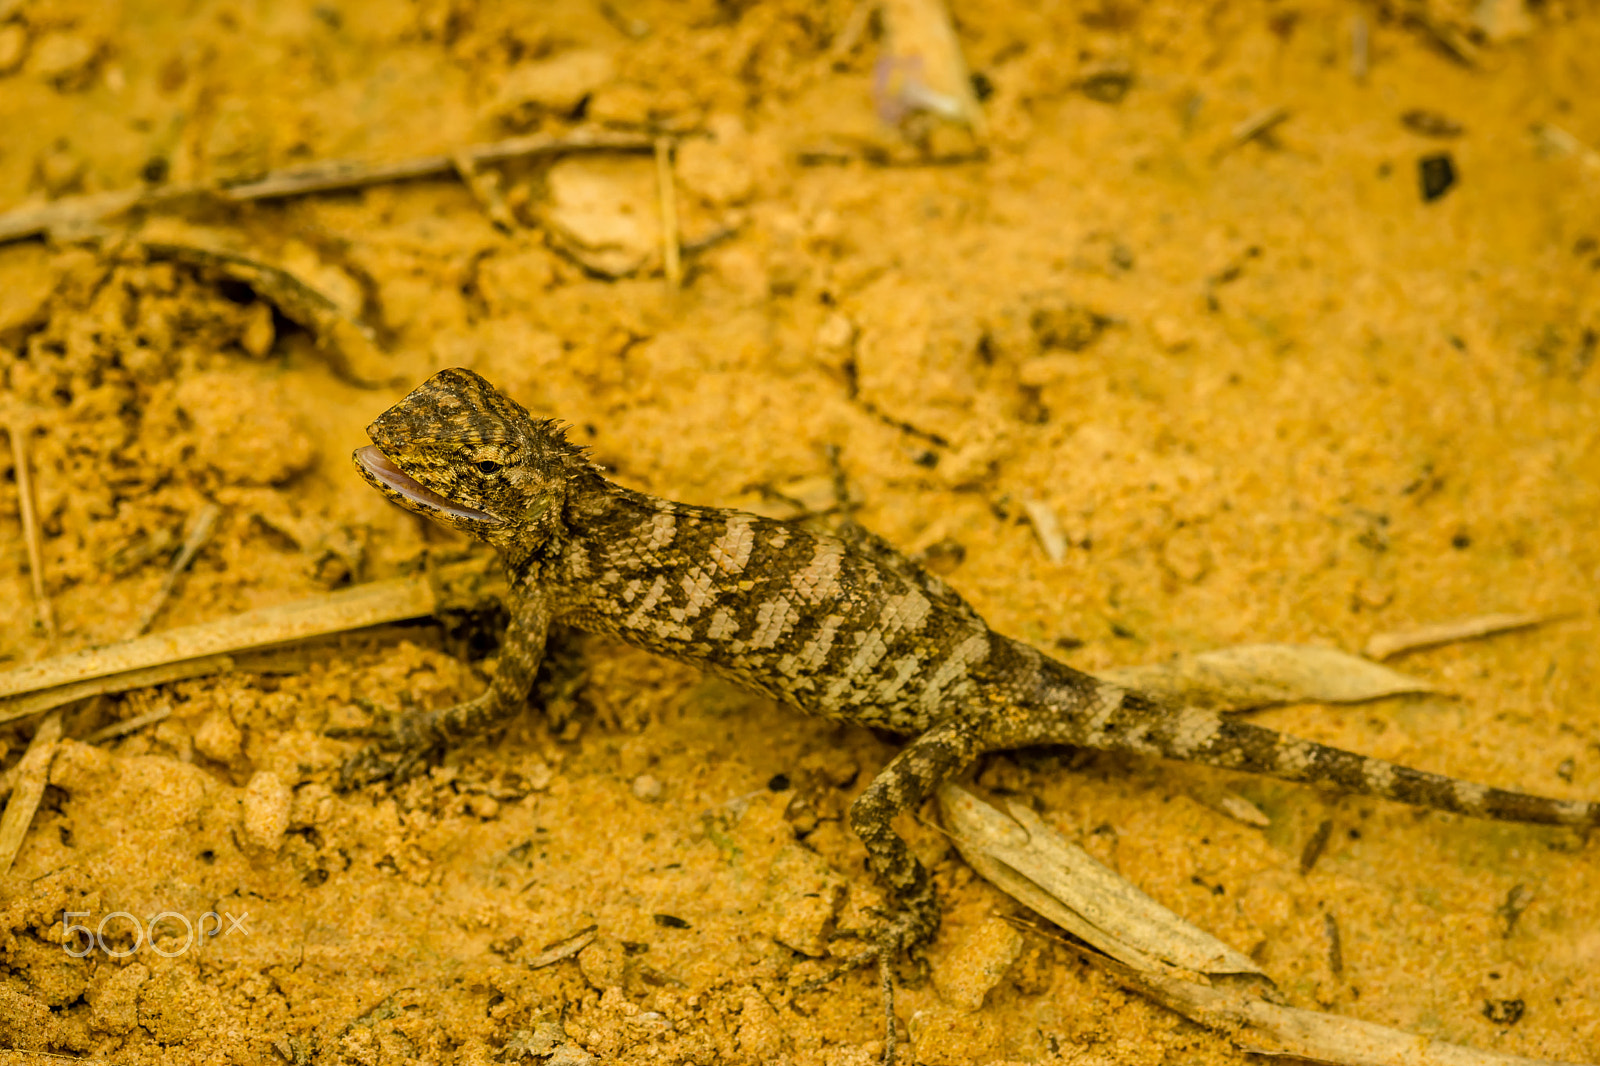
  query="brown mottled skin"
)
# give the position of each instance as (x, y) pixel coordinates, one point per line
(842, 627)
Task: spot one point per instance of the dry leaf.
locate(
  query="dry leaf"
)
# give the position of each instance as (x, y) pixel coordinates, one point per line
(1255, 675)
(1041, 868)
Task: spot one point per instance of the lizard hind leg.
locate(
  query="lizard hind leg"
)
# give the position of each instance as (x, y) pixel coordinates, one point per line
(913, 914)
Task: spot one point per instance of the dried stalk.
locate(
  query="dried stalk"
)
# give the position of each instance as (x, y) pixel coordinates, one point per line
(29, 780)
(30, 527)
(78, 212)
(199, 533)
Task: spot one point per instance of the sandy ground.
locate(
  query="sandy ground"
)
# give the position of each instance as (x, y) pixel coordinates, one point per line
(1270, 392)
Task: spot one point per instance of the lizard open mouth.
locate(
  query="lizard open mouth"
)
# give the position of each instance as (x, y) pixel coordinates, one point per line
(381, 468)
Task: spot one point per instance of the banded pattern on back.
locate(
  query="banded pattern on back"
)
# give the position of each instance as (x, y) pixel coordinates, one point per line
(796, 614)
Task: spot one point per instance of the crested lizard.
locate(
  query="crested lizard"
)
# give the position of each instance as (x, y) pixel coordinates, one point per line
(840, 626)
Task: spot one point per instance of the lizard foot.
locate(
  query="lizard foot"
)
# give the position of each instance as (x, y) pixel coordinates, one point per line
(397, 757)
(889, 941)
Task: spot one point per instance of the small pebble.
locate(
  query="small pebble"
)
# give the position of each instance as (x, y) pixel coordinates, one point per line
(646, 788)
(218, 738)
(266, 810)
(13, 46)
(971, 971)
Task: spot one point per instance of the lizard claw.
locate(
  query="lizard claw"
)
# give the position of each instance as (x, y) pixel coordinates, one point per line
(895, 934)
(395, 758)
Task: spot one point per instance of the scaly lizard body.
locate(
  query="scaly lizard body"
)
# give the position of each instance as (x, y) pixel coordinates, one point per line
(840, 627)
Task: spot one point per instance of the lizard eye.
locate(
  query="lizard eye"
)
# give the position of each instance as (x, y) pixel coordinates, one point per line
(488, 466)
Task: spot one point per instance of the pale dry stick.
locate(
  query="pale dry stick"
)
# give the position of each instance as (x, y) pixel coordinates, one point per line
(30, 526)
(636, 28)
(33, 220)
(31, 775)
(667, 197)
(335, 175)
(1388, 645)
(1256, 127)
(1450, 39)
(1360, 46)
(131, 725)
(199, 533)
(564, 948)
(370, 604)
(29, 703)
(1559, 140)
(1047, 527)
(486, 191)
(855, 28)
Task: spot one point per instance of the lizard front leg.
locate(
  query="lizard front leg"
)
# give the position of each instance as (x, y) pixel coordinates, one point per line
(418, 732)
(911, 777)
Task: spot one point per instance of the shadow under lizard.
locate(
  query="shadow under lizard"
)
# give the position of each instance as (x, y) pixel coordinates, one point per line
(843, 627)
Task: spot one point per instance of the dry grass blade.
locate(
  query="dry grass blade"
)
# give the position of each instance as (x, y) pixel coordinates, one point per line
(1041, 868)
(27, 788)
(30, 526)
(564, 948)
(67, 213)
(199, 533)
(78, 212)
(1255, 675)
(131, 725)
(667, 193)
(21, 706)
(1047, 527)
(337, 174)
(1387, 645)
(485, 189)
(353, 608)
(1557, 140)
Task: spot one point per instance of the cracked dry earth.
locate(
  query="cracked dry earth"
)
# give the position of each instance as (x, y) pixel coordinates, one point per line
(1268, 390)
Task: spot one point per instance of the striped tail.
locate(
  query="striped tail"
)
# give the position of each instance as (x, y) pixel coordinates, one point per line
(1121, 720)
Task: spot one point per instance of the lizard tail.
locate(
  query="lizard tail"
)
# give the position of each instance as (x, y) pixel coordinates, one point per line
(1137, 723)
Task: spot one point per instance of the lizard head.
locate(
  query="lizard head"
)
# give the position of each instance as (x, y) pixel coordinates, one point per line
(463, 453)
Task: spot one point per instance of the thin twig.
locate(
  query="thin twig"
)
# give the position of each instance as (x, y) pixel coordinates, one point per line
(131, 725)
(199, 533)
(330, 176)
(459, 585)
(1558, 140)
(485, 189)
(30, 526)
(667, 196)
(1047, 527)
(28, 703)
(1388, 645)
(30, 778)
(1359, 47)
(78, 211)
(1258, 127)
